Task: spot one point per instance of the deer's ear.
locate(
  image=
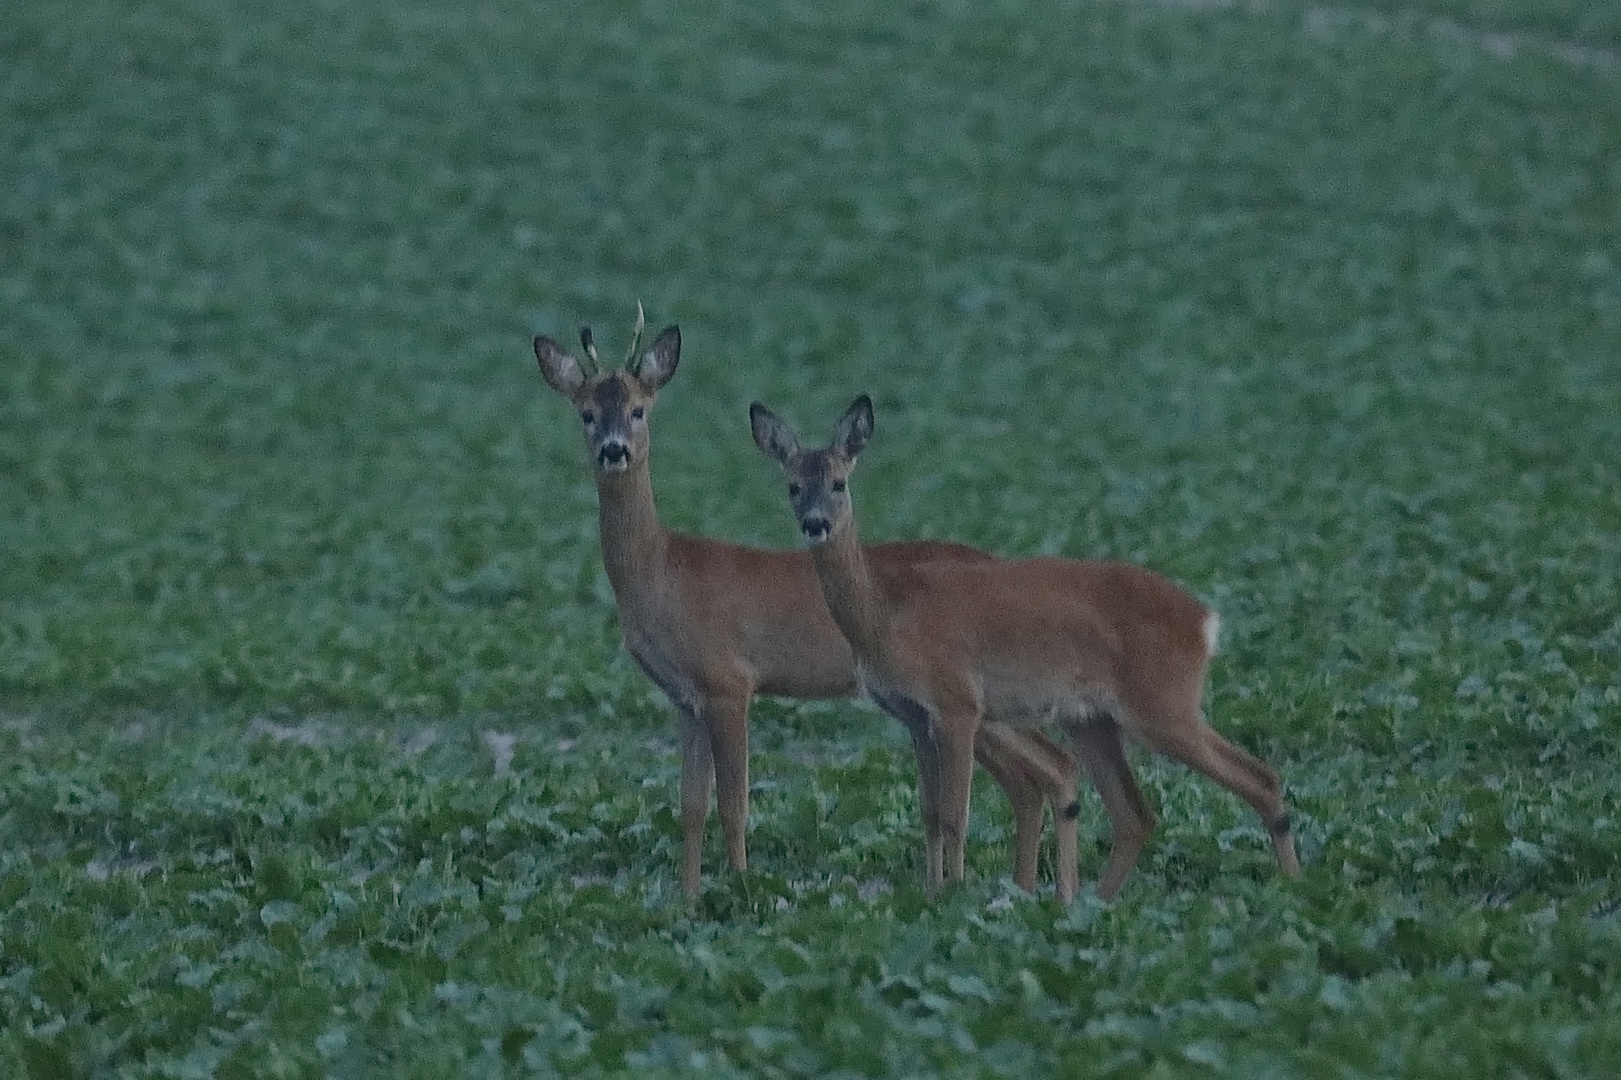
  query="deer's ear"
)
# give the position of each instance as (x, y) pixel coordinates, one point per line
(558, 367)
(775, 439)
(855, 428)
(658, 363)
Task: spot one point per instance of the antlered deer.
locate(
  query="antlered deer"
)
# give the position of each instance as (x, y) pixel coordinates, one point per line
(713, 623)
(1104, 648)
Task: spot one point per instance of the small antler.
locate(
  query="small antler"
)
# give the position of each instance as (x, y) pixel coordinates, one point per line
(632, 361)
(589, 344)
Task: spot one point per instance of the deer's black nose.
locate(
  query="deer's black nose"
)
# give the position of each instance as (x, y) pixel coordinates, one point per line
(816, 528)
(614, 453)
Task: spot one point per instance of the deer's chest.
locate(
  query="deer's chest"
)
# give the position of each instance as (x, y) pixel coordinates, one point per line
(653, 653)
(897, 700)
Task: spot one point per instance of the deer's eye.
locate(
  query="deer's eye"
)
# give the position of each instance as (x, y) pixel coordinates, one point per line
(838, 485)
(793, 491)
(636, 413)
(589, 417)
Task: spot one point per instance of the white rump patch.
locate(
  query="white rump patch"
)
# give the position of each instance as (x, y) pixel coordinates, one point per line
(1212, 633)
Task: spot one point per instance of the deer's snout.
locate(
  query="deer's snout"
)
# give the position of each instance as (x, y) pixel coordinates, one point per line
(614, 455)
(816, 528)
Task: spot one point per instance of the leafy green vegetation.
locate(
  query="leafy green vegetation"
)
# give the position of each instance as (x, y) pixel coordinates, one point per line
(318, 751)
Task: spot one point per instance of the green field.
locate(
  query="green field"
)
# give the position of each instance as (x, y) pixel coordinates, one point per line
(1315, 309)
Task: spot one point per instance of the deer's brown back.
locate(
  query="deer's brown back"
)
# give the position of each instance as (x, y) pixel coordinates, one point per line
(1034, 631)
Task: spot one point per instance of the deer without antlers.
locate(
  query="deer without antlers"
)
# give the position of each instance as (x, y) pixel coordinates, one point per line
(1104, 648)
(713, 623)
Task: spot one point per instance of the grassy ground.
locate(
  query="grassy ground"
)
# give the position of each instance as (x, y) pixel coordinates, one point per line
(318, 752)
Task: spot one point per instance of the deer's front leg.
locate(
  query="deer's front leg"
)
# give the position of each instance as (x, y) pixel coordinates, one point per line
(726, 716)
(954, 737)
(919, 722)
(697, 772)
(928, 785)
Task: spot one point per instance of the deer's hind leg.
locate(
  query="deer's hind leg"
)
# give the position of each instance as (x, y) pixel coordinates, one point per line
(1098, 743)
(998, 749)
(1061, 778)
(1041, 772)
(1202, 748)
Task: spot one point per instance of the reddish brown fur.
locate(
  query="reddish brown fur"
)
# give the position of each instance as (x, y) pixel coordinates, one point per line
(713, 623)
(1104, 648)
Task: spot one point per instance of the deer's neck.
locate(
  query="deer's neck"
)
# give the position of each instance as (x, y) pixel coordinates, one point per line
(852, 594)
(634, 542)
